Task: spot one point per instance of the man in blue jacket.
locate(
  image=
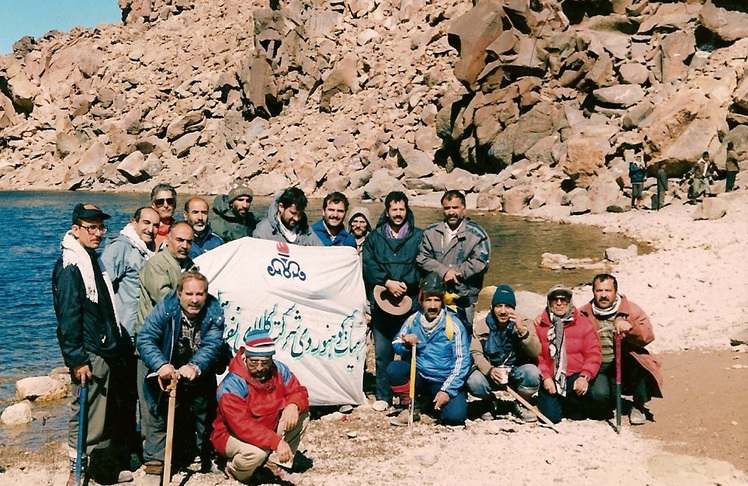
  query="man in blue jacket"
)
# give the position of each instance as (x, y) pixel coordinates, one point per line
(442, 356)
(331, 228)
(391, 279)
(196, 215)
(181, 340)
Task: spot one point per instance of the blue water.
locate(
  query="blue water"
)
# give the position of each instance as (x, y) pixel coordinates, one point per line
(34, 224)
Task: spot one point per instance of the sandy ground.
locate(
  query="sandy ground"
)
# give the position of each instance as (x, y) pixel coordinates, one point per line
(694, 289)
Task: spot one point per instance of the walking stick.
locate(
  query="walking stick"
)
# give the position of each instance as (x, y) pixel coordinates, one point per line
(412, 391)
(533, 409)
(172, 389)
(618, 382)
(82, 429)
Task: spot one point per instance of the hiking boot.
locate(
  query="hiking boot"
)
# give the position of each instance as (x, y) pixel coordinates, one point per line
(525, 415)
(401, 420)
(637, 417)
(154, 467)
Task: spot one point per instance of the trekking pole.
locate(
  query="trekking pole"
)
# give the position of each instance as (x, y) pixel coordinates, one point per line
(533, 409)
(412, 390)
(82, 428)
(172, 389)
(618, 382)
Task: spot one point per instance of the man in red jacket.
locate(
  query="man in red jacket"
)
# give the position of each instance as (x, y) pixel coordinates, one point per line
(569, 357)
(262, 414)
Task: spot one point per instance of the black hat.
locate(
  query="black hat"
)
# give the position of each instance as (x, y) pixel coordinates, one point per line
(432, 284)
(87, 211)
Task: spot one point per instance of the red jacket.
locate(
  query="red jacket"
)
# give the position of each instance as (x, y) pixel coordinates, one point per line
(583, 354)
(250, 410)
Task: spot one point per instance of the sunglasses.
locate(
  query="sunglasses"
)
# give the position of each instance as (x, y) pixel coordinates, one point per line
(559, 298)
(168, 201)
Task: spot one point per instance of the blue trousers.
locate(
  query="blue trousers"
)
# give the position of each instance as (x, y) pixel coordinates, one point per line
(573, 406)
(525, 379)
(453, 413)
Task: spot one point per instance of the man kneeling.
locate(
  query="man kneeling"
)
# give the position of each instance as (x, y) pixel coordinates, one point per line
(442, 355)
(263, 412)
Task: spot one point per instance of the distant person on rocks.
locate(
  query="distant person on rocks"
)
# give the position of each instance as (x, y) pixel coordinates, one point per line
(164, 202)
(263, 412)
(94, 346)
(331, 228)
(637, 174)
(569, 358)
(181, 340)
(442, 357)
(287, 221)
(234, 219)
(611, 313)
(661, 185)
(196, 215)
(701, 174)
(359, 225)
(505, 340)
(123, 258)
(392, 281)
(731, 166)
(458, 249)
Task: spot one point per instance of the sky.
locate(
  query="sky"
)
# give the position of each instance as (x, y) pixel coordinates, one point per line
(37, 17)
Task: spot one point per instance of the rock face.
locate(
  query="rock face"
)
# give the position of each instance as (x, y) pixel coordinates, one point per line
(365, 97)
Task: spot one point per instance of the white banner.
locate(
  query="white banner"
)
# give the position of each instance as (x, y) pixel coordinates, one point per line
(309, 299)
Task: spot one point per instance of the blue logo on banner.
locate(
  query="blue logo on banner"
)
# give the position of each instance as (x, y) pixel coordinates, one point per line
(284, 266)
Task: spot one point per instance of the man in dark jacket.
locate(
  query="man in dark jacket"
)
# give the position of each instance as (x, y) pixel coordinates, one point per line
(390, 274)
(263, 411)
(181, 340)
(93, 344)
(234, 220)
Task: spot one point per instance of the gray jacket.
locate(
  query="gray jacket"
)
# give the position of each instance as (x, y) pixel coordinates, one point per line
(269, 228)
(468, 252)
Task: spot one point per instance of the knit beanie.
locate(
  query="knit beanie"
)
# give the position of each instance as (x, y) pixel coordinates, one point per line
(259, 343)
(504, 295)
(239, 191)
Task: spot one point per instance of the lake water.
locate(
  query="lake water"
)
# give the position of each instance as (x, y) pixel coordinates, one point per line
(34, 223)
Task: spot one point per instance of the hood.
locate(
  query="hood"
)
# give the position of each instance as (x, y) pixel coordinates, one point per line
(303, 226)
(237, 366)
(362, 211)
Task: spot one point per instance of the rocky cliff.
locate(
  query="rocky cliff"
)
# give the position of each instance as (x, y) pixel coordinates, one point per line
(528, 106)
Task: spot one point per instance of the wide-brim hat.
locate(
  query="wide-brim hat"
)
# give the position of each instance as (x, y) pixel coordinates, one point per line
(395, 306)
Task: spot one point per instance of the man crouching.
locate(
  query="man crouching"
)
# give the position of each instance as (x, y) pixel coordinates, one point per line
(442, 356)
(263, 412)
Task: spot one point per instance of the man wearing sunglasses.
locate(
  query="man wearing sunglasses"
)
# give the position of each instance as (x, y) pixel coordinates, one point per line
(93, 344)
(263, 412)
(164, 201)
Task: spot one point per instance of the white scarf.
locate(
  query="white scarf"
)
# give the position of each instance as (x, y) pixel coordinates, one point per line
(73, 253)
(289, 234)
(130, 233)
(428, 327)
(604, 314)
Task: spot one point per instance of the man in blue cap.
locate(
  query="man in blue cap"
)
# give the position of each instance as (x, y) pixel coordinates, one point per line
(263, 412)
(505, 351)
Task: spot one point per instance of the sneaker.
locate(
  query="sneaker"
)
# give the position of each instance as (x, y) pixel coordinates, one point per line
(527, 416)
(401, 420)
(637, 417)
(125, 477)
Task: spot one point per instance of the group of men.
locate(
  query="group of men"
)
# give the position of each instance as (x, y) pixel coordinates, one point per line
(140, 318)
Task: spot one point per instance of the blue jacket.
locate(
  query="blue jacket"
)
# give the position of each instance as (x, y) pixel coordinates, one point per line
(344, 238)
(637, 173)
(439, 357)
(163, 327)
(206, 242)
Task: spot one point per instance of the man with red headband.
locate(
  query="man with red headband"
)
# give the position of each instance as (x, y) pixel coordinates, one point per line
(263, 412)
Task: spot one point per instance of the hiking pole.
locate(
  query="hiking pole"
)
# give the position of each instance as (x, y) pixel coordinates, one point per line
(172, 389)
(412, 390)
(82, 428)
(618, 382)
(533, 409)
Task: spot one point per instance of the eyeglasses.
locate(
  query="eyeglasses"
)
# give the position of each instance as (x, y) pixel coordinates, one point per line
(259, 363)
(92, 228)
(167, 201)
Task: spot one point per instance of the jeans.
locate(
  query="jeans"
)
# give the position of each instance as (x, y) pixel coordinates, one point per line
(454, 412)
(573, 406)
(385, 327)
(524, 379)
(603, 388)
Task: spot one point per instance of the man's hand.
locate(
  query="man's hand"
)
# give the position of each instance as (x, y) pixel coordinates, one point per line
(188, 371)
(396, 288)
(538, 320)
(284, 452)
(410, 339)
(167, 372)
(452, 276)
(289, 417)
(83, 374)
(550, 386)
(440, 400)
(581, 385)
(495, 375)
(622, 326)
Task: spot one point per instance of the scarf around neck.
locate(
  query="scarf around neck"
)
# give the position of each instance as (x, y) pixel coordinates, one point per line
(132, 235)
(604, 314)
(557, 347)
(400, 234)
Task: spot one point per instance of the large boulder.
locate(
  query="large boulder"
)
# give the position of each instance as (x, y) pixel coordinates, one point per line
(40, 388)
(17, 414)
(728, 25)
(711, 208)
(471, 34)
